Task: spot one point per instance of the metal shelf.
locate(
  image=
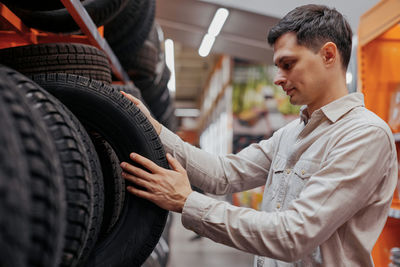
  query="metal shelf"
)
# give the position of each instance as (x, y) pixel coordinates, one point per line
(82, 18)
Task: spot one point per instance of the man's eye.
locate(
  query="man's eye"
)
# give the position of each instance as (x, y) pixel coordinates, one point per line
(286, 66)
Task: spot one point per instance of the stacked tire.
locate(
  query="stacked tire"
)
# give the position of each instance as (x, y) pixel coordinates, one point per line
(63, 200)
(66, 185)
(130, 30)
(142, 56)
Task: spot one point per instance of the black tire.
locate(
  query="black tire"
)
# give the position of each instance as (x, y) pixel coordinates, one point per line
(160, 105)
(133, 90)
(130, 89)
(156, 95)
(98, 190)
(152, 90)
(81, 170)
(35, 5)
(168, 118)
(79, 59)
(127, 32)
(47, 196)
(143, 64)
(114, 184)
(126, 129)
(59, 20)
(15, 204)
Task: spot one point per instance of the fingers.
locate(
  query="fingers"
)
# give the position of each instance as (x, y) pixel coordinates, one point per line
(136, 180)
(148, 164)
(135, 170)
(131, 98)
(176, 166)
(140, 193)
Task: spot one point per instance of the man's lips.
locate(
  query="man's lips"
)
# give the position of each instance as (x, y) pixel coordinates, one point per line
(289, 90)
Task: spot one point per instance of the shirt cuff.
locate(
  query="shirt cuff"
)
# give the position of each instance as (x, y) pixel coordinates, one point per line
(195, 207)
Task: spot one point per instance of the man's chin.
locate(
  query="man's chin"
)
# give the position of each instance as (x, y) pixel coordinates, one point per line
(293, 101)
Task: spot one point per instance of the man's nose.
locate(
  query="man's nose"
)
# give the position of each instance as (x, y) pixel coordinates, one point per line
(279, 79)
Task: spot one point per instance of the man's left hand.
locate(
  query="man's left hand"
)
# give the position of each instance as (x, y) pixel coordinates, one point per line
(167, 189)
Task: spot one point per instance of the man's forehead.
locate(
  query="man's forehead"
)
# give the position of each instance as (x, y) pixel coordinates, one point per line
(285, 47)
(282, 54)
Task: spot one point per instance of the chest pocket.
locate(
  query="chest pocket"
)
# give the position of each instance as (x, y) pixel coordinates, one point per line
(302, 172)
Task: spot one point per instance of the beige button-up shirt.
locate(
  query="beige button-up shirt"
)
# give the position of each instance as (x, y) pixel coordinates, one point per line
(329, 181)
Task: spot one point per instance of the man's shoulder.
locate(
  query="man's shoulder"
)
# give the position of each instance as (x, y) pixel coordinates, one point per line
(361, 117)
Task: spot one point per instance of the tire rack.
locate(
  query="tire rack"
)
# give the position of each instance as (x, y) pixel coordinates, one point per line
(378, 74)
(17, 34)
(14, 33)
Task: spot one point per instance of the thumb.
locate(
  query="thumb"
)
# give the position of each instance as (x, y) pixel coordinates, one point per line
(131, 98)
(176, 166)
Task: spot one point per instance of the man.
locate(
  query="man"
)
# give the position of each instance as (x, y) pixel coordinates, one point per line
(329, 177)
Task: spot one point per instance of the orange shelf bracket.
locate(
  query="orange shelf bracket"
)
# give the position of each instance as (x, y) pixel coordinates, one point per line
(16, 25)
(87, 26)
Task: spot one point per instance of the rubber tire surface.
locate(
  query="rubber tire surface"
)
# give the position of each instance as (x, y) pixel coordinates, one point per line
(129, 30)
(35, 5)
(15, 204)
(143, 64)
(130, 89)
(46, 188)
(133, 90)
(152, 90)
(126, 129)
(59, 20)
(168, 118)
(114, 184)
(79, 59)
(81, 171)
(98, 189)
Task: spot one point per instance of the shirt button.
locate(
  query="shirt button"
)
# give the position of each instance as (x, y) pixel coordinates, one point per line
(303, 172)
(288, 171)
(278, 206)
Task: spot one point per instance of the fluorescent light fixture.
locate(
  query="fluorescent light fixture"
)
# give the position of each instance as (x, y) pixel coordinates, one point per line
(349, 77)
(187, 112)
(213, 30)
(170, 61)
(218, 21)
(206, 44)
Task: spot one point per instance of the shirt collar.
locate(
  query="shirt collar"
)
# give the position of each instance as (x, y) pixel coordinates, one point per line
(336, 109)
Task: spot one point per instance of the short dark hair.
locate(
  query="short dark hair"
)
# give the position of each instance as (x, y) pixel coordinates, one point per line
(315, 25)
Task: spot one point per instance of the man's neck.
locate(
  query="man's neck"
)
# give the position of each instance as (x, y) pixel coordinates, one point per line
(328, 98)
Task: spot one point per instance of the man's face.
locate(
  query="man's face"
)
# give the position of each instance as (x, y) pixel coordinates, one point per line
(301, 71)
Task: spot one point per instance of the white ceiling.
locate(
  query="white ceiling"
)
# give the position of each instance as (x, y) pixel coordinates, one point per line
(352, 9)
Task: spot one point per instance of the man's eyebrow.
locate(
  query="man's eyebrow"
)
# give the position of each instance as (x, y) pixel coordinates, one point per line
(280, 59)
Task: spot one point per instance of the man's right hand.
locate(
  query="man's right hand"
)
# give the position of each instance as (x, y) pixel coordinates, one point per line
(143, 108)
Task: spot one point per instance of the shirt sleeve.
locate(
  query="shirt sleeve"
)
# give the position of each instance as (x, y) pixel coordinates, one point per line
(222, 174)
(347, 182)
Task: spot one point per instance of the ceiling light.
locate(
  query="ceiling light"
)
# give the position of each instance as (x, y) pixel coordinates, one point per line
(206, 44)
(213, 30)
(170, 61)
(218, 21)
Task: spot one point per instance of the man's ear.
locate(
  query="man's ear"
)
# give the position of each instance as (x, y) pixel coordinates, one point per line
(329, 53)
